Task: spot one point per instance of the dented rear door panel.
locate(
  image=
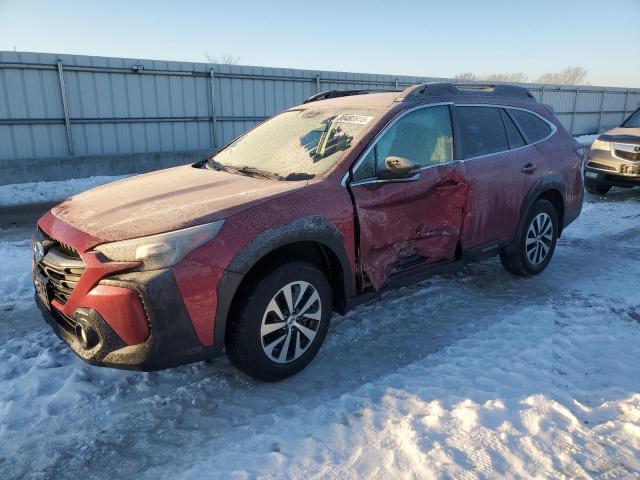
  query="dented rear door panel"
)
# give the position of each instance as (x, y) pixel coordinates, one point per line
(496, 193)
(404, 224)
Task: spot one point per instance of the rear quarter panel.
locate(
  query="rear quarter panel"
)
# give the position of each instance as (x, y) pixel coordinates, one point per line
(560, 155)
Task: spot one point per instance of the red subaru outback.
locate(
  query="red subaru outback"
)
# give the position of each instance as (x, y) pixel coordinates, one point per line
(313, 211)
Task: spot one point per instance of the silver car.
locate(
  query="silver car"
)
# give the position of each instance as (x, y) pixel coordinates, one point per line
(614, 158)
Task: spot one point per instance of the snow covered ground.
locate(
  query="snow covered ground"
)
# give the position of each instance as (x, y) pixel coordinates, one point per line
(475, 374)
(586, 139)
(49, 192)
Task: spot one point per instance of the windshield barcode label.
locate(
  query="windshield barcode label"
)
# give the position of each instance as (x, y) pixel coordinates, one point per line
(350, 118)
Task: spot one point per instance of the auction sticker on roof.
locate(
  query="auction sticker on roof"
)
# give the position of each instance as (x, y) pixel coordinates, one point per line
(353, 118)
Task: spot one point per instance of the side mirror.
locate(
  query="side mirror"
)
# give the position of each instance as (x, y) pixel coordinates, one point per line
(398, 168)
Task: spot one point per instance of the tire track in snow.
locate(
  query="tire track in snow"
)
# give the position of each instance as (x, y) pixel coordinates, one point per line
(357, 389)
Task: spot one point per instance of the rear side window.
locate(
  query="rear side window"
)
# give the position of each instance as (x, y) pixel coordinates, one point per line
(482, 131)
(534, 128)
(513, 135)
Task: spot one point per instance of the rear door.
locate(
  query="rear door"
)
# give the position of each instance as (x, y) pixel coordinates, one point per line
(504, 157)
(530, 159)
(539, 158)
(496, 191)
(405, 224)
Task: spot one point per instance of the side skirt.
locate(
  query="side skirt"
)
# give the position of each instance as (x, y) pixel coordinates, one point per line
(422, 272)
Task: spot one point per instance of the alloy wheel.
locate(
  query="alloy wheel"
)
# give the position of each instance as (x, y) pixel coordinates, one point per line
(291, 321)
(539, 238)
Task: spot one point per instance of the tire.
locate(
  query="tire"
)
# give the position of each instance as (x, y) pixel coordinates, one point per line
(255, 344)
(597, 188)
(536, 243)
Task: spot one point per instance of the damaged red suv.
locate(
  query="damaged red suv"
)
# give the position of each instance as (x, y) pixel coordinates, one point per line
(313, 211)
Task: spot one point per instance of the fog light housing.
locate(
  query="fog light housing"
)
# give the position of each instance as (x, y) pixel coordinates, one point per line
(86, 335)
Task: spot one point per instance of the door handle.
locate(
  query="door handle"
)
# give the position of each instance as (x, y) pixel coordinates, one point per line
(529, 168)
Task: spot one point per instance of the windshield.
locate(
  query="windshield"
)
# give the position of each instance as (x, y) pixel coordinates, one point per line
(633, 121)
(297, 144)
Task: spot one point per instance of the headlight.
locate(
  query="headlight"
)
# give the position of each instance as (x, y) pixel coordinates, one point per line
(601, 145)
(162, 250)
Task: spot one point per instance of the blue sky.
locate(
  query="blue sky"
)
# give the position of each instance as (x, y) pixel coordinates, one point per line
(412, 38)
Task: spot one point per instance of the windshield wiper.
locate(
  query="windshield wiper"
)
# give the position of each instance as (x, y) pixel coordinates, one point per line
(298, 176)
(256, 172)
(243, 170)
(215, 165)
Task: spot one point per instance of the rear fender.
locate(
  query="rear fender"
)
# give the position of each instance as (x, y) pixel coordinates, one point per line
(553, 181)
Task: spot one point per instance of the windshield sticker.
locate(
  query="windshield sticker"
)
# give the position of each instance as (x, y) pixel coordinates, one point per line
(351, 118)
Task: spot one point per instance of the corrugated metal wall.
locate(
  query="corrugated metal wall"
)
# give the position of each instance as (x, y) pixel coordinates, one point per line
(65, 105)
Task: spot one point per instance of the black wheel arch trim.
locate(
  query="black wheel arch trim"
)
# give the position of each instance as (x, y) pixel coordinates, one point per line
(315, 229)
(552, 181)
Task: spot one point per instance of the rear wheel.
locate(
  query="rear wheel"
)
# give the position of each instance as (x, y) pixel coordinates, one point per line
(597, 188)
(280, 322)
(534, 248)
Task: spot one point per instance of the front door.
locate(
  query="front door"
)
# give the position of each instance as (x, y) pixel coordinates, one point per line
(416, 221)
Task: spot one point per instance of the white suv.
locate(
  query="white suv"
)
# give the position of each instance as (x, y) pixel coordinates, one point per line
(614, 159)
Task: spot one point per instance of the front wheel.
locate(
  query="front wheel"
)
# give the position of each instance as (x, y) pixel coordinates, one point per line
(280, 322)
(534, 248)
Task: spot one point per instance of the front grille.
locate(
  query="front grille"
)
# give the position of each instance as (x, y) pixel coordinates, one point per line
(601, 166)
(62, 267)
(633, 156)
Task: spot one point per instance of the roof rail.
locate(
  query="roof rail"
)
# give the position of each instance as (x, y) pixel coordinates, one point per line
(341, 93)
(448, 89)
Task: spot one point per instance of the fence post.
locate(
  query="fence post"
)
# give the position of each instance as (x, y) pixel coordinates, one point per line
(65, 107)
(626, 102)
(212, 109)
(573, 115)
(604, 92)
(397, 86)
(318, 84)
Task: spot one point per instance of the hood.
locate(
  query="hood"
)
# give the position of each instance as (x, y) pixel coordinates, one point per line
(166, 200)
(621, 134)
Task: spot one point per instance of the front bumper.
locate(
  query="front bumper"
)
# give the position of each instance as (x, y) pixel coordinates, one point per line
(171, 340)
(606, 168)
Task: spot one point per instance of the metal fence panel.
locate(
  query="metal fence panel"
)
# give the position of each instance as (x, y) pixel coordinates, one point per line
(57, 106)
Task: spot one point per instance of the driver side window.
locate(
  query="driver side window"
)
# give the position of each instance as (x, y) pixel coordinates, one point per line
(424, 136)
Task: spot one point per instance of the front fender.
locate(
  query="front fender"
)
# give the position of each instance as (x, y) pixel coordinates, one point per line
(315, 229)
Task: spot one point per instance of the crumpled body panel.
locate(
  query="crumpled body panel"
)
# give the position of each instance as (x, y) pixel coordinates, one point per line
(406, 223)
